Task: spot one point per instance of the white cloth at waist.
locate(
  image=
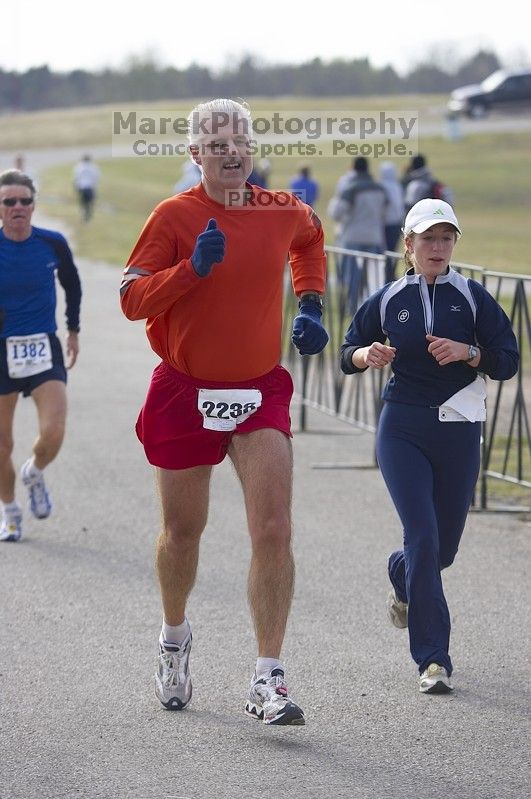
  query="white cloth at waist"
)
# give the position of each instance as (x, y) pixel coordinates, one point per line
(469, 402)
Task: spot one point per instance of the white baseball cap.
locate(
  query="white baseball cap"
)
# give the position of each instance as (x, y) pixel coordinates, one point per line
(426, 213)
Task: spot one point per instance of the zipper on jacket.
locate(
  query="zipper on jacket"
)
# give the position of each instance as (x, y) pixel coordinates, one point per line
(428, 307)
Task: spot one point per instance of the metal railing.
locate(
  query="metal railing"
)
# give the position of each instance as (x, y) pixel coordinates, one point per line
(320, 384)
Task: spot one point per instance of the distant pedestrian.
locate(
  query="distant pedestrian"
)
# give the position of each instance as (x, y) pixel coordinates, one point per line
(19, 164)
(453, 127)
(305, 187)
(86, 179)
(394, 213)
(420, 184)
(358, 207)
(264, 168)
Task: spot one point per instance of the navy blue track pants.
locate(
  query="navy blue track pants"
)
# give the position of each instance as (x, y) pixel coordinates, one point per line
(430, 469)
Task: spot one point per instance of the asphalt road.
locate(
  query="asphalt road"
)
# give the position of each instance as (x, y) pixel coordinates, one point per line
(80, 617)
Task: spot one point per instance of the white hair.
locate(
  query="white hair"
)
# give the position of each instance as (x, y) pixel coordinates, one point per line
(220, 113)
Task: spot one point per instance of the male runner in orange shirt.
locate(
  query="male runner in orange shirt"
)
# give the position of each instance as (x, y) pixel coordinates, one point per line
(207, 273)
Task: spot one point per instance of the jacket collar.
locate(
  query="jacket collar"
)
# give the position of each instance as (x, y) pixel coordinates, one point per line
(413, 277)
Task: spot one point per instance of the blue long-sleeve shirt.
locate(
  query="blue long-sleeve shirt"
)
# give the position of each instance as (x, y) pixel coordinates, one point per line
(27, 283)
(452, 307)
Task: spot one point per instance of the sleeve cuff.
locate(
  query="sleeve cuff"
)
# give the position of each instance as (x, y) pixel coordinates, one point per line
(347, 367)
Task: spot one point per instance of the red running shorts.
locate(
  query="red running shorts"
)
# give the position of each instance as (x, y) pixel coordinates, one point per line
(170, 425)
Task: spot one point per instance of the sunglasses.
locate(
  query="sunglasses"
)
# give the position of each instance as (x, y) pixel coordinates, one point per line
(12, 201)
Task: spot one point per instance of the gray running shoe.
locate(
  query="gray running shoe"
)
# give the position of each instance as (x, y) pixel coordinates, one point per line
(269, 701)
(173, 683)
(11, 528)
(435, 680)
(39, 501)
(396, 610)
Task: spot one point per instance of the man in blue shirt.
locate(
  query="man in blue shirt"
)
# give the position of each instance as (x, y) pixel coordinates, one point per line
(31, 358)
(305, 187)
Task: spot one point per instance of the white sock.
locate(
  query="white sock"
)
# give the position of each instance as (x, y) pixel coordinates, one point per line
(175, 634)
(264, 666)
(31, 470)
(11, 509)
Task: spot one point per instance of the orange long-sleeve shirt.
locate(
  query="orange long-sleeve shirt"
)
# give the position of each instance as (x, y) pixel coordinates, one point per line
(226, 326)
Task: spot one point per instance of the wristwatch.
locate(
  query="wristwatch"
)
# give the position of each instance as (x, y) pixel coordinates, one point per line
(311, 297)
(473, 352)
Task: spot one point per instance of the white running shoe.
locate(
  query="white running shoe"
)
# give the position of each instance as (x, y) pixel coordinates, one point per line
(11, 527)
(396, 610)
(269, 701)
(173, 683)
(39, 501)
(435, 680)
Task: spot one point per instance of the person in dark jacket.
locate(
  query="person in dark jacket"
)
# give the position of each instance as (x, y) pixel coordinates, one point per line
(394, 214)
(438, 330)
(358, 207)
(420, 183)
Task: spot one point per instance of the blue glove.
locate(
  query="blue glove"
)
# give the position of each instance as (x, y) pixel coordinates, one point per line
(209, 249)
(309, 336)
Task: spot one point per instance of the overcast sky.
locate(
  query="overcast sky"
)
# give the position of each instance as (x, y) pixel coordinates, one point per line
(96, 34)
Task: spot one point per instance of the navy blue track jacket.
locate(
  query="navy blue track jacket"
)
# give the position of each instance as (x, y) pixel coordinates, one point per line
(453, 307)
